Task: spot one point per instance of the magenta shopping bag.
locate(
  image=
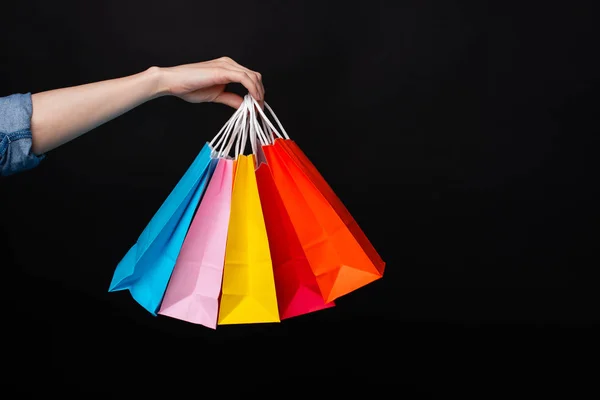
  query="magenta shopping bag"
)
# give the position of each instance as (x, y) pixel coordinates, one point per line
(193, 291)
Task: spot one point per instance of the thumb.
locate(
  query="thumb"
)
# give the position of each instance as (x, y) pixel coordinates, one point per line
(229, 99)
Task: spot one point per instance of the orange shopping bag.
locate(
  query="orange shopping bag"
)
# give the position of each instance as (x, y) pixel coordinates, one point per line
(321, 184)
(338, 254)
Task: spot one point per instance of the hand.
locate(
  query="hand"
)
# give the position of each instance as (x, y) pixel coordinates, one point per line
(206, 82)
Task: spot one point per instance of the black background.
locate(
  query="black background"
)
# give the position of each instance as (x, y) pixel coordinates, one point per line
(462, 136)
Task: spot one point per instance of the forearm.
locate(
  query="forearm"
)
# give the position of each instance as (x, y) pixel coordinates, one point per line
(62, 115)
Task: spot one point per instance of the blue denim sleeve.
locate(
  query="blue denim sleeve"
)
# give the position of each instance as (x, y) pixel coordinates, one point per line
(15, 135)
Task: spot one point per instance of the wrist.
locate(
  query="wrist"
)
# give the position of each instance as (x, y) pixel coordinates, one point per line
(154, 75)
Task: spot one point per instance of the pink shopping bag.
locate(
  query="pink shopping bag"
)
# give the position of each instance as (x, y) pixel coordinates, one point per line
(193, 291)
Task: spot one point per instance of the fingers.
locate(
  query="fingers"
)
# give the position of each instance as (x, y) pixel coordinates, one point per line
(256, 76)
(248, 80)
(229, 99)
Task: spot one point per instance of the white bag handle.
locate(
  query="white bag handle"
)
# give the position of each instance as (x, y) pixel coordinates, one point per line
(250, 129)
(233, 131)
(267, 131)
(256, 132)
(236, 123)
(253, 131)
(242, 126)
(234, 136)
(265, 119)
(243, 135)
(238, 131)
(225, 131)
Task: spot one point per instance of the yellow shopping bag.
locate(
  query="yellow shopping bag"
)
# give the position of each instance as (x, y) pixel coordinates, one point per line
(248, 293)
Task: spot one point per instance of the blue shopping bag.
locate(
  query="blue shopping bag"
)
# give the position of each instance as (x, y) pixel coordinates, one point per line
(146, 268)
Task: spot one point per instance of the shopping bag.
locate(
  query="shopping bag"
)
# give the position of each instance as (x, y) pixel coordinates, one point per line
(336, 256)
(248, 293)
(321, 184)
(193, 292)
(297, 289)
(146, 268)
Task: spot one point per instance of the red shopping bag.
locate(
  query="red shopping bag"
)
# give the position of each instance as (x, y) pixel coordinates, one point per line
(297, 290)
